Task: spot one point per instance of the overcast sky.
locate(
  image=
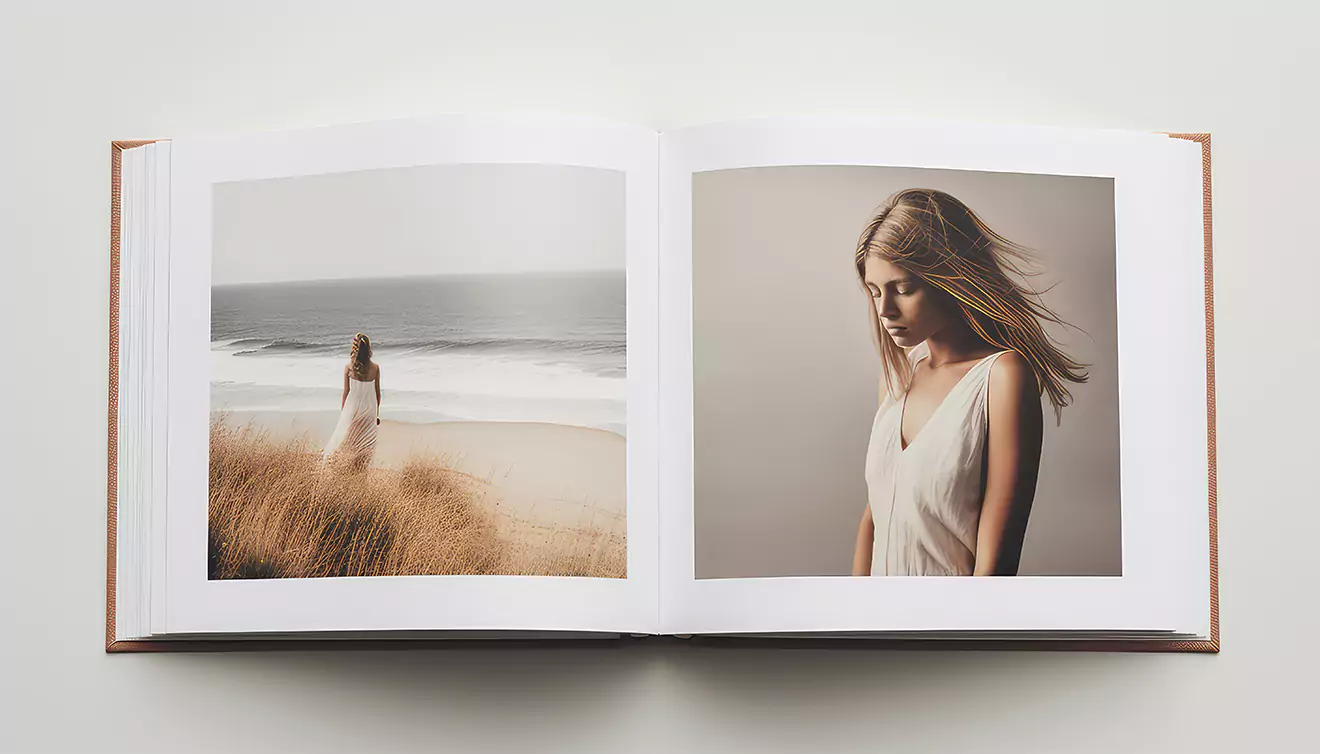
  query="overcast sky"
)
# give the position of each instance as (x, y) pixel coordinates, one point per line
(428, 220)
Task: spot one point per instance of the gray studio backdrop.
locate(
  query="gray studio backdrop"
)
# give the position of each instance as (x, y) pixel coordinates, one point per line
(785, 379)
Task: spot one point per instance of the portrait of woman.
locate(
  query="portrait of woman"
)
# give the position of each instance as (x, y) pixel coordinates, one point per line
(955, 446)
(354, 439)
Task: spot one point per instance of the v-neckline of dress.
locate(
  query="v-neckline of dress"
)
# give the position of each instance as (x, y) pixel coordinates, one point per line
(905, 445)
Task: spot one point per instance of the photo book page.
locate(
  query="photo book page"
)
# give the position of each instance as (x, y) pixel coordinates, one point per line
(897, 349)
(411, 380)
(493, 377)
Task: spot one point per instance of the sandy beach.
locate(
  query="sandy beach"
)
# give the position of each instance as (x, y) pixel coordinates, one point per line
(533, 476)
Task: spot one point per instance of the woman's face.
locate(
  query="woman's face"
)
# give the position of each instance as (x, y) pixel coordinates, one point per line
(910, 309)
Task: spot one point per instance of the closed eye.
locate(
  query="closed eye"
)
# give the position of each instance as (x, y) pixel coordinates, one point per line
(902, 289)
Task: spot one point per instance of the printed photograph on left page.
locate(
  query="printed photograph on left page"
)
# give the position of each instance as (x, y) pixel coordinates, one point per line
(419, 371)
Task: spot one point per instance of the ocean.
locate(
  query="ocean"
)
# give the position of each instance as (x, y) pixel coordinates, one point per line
(531, 347)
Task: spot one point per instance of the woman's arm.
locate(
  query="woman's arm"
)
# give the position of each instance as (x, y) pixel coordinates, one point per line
(866, 530)
(378, 394)
(1016, 428)
(344, 398)
(865, 541)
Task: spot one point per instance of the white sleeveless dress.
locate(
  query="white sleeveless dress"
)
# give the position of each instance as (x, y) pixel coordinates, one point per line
(354, 438)
(926, 499)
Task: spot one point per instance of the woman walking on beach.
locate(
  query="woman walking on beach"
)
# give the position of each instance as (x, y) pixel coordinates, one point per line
(354, 439)
(955, 446)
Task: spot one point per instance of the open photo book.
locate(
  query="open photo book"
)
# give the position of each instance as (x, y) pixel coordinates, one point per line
(777, 379)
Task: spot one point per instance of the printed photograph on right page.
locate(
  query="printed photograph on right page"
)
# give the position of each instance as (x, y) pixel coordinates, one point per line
(904, 372)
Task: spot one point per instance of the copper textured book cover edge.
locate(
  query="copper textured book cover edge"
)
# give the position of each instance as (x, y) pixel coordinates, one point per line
(113, 646)
(1207, 220)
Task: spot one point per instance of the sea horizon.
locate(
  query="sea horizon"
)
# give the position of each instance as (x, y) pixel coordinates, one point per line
(428, 275)
(542, 346)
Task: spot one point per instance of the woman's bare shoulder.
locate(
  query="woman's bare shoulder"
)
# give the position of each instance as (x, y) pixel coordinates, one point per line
(1012, 375)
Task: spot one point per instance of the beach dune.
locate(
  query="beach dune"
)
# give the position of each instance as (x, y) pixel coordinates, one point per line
(532, 476)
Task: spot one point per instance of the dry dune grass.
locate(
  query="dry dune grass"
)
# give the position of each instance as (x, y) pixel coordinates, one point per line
(276, 512)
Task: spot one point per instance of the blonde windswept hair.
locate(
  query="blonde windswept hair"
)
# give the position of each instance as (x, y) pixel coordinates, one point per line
(360, 354)
(942, 241)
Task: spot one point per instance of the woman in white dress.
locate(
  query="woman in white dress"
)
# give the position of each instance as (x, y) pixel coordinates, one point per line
(955, 446)
(354, 439)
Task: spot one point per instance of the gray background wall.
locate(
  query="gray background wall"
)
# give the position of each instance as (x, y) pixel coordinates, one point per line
(1241, 72)
(785, 378)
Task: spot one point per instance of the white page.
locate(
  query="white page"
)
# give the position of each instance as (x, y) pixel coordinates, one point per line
(1161, 371)
(197, 605)
(129, 393)
(160, 408)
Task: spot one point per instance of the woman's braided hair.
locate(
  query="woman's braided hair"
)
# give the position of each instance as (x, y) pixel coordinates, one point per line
(360, 357)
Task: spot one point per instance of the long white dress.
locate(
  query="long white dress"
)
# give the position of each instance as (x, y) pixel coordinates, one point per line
(926, 499)
(354, 438)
